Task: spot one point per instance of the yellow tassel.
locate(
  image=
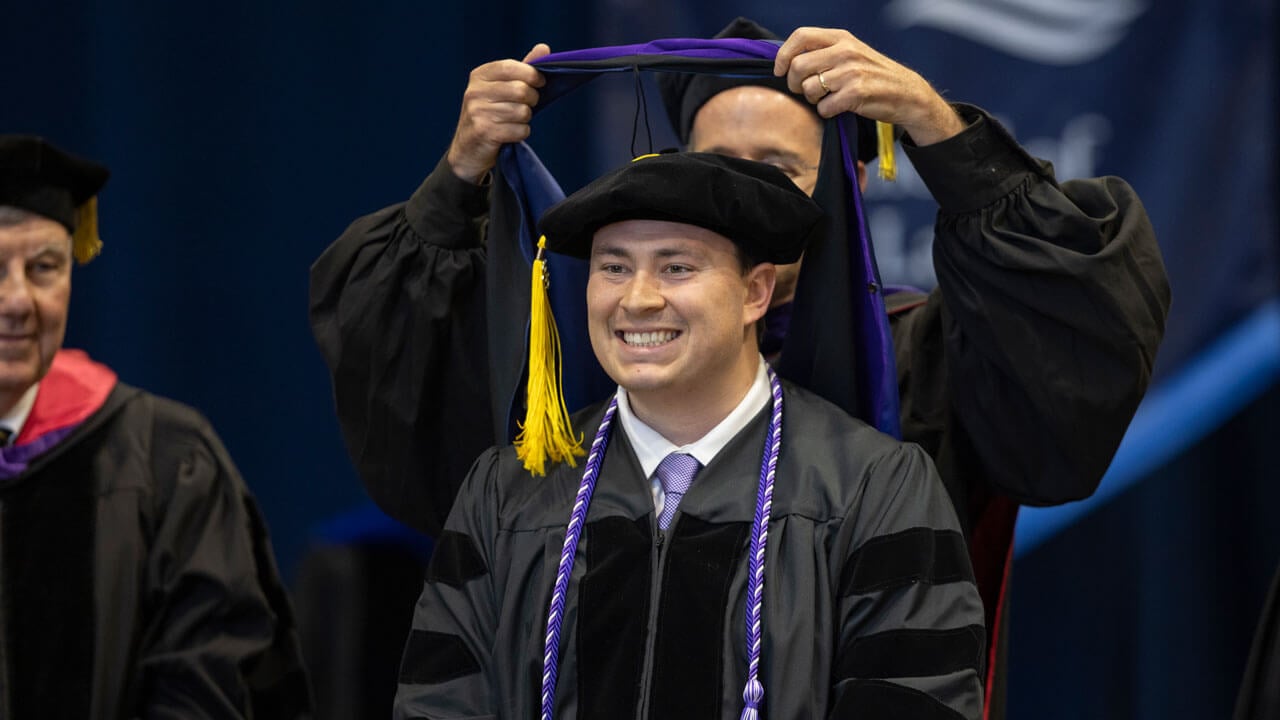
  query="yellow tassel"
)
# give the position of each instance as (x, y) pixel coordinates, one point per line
(546, 433)
(85, 243)
(884, 148)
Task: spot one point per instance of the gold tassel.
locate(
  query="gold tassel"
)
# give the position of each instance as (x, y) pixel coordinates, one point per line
(85, 243)
(546, 432)
(884, 148)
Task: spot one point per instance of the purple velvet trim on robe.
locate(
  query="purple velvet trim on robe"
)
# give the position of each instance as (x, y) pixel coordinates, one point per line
(879, 394)
(15, 459)
(721, 49)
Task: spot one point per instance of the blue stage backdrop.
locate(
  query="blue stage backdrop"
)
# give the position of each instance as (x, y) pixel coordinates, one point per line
(243, 138)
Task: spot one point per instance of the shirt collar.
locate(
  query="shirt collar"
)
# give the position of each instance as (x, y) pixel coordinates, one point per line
(651, 447)
(17, 417)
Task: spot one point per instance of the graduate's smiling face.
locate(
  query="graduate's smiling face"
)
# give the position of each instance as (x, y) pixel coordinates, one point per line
(35, 293)
(671, 312)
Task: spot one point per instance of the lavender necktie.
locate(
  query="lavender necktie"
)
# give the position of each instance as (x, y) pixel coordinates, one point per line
(675, 472)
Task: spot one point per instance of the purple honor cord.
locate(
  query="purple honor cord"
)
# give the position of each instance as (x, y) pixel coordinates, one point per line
(555, 613)
(753, 693)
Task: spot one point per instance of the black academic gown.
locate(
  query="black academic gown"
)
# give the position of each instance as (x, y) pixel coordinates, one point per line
(1018, 374)
(137, 578)
(870, 609)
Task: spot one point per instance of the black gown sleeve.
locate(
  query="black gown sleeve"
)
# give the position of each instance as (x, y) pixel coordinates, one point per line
(448, 669)
(911, 637)
(219, 638)
(397, 308)
(1031, 356)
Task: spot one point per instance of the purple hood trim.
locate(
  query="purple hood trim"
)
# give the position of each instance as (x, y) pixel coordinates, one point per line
(15, 459)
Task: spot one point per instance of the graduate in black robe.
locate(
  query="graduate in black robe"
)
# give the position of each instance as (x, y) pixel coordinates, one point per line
(869, 605)
(136, 575)
(1018, 374)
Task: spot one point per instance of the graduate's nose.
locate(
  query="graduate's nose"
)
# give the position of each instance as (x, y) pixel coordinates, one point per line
(642, 294)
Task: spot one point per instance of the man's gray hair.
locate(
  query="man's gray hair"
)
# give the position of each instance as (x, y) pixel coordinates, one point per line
(11, 215)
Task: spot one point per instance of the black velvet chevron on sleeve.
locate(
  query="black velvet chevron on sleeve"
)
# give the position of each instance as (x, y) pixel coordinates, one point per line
(899, 559)
(914, 653)
(455, 560)
(435, 657)
(882, 700)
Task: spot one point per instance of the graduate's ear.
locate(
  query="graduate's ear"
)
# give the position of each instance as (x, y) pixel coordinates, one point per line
(760, 281)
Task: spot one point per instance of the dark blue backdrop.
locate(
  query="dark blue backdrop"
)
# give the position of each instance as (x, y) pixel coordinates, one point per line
(243, 137)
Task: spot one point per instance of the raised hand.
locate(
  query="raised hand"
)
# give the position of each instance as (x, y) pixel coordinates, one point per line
(838, 73)
(496, 108)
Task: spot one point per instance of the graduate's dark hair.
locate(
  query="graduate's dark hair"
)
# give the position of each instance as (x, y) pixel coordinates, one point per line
(746, 260)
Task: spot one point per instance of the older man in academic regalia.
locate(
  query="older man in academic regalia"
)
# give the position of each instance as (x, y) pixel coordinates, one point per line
(136, 577)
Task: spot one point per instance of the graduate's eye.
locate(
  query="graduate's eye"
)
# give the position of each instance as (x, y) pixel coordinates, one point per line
(612, 268)
(677, 269)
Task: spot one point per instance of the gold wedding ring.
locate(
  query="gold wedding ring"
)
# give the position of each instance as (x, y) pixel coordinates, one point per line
(823, 82)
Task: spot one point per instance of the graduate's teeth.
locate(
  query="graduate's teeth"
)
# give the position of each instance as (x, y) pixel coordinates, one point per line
(647, 339)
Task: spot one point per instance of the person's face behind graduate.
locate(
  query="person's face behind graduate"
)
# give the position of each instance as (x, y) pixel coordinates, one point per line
(753, 122)
(756, 118)
(672, 310)
(758, 123)
(35, 294)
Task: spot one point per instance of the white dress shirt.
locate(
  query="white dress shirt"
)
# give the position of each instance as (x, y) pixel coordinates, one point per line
(651, 447)
(17, 417)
